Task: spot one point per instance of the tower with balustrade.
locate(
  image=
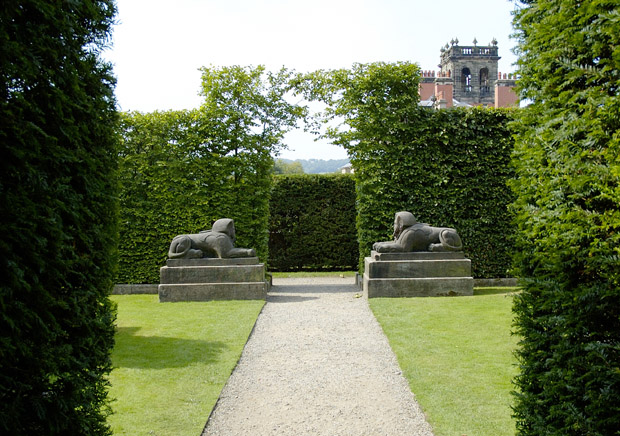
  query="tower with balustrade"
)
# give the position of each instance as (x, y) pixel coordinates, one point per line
(473, 69)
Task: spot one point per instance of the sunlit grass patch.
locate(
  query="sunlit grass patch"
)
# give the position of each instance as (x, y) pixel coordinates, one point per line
(171, 361)
(457, 354)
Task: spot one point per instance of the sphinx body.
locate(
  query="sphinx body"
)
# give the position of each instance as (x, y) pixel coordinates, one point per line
(217, 242)
(410, 235)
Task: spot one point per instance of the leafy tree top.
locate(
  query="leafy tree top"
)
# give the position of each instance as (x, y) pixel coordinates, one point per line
(364, 103)
(247, 109)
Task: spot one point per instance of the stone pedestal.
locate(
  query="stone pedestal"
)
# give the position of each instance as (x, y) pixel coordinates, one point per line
(212, 279)
(417, 274)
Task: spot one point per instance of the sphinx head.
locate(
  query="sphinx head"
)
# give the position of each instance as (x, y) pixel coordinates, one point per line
(403, 220)
(226, 226)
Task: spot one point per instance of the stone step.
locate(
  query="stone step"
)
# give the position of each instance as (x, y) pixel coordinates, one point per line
(212, 274)
(212, 291)
(212, 261)
(418, 287)
(417, 268)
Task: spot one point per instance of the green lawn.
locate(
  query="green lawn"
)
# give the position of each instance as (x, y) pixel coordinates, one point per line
(457, 354)
(171, 361)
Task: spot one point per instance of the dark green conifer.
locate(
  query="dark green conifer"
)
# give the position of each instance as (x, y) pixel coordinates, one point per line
(57, 216)
(568, 214)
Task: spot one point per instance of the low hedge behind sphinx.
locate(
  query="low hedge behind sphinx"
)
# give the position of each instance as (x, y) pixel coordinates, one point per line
(312, 223)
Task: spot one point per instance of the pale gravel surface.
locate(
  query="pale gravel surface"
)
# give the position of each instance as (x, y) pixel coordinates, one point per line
(317, 363)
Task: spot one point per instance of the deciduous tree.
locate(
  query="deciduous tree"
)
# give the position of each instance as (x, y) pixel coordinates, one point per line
(448, 167)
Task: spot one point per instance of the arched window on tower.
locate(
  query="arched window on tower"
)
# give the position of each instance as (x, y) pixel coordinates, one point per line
(484, 81)
(466, 79)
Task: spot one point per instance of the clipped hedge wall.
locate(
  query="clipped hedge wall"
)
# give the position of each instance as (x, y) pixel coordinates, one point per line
(448, 167)
(183, 170)
(312, 223)
(58, 217)
(173, 183)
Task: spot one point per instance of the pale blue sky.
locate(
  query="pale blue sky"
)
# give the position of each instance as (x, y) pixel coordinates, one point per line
(159, 45)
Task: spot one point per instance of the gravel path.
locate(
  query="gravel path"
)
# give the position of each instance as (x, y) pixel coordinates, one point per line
(317, 363)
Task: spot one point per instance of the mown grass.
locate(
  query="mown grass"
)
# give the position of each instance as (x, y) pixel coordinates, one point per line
(457, 354)
(172, 360)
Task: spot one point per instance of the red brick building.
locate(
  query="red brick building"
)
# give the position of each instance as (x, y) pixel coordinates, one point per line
(468, 76)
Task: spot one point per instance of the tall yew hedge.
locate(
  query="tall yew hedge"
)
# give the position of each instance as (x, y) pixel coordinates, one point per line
(568, 214)
(182, 170)
(57, 217)
(448, 167)
(312, 223)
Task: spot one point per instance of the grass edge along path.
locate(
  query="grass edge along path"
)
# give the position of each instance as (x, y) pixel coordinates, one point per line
(457, 354)
(171, 361)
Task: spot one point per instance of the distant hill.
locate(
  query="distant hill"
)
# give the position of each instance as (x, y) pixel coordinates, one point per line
(319, 166)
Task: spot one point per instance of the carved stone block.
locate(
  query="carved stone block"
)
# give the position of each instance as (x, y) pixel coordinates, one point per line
(423, 274)
(208, 279)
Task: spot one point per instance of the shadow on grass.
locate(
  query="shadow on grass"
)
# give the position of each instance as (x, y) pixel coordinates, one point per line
(508, 290)
(157, 352)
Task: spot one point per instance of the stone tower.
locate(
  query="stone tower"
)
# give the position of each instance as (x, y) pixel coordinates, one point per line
(473, 69)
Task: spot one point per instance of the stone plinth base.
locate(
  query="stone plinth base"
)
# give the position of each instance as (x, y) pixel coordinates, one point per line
(423, 274)
(212, 291)
(212, 279)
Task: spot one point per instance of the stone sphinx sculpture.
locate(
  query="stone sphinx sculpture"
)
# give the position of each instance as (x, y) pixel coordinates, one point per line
(217, 242)
(410, 235)
(421, 261)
